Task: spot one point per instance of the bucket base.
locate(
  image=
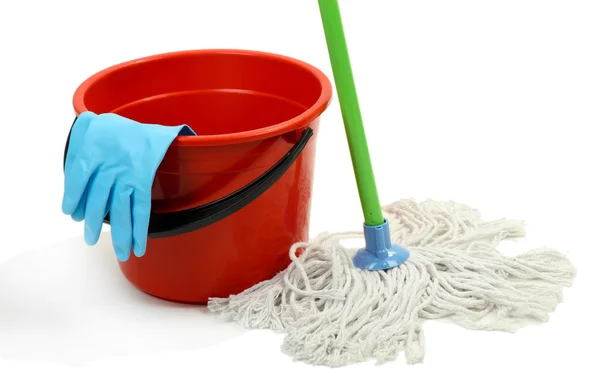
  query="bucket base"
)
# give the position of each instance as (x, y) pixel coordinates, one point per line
(177, 301)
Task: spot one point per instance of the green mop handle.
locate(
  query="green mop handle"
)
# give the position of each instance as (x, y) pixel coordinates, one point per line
(355, 133)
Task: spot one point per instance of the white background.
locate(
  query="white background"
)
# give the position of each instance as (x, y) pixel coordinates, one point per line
(491, 103)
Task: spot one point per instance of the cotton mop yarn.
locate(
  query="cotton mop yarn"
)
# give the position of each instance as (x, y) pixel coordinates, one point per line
(334, 314)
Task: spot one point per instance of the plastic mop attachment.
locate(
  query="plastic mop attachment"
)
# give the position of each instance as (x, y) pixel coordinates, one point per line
(422, 260)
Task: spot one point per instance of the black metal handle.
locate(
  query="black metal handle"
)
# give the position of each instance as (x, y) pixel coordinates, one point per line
(189, 220)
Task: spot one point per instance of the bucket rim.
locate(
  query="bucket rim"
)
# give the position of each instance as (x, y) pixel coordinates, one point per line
(298, 122)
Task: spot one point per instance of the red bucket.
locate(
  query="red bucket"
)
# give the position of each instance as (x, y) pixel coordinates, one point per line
(253, 112)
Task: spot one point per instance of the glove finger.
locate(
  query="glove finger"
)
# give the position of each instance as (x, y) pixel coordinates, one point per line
(120, 223)
(141, 205)
(96, 207)
(79, 213)
(76, 181)
(78, 131)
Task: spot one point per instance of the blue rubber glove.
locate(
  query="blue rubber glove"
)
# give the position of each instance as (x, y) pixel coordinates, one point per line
(110, 167)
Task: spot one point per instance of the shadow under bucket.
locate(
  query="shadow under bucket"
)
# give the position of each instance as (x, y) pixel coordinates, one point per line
(249, 110)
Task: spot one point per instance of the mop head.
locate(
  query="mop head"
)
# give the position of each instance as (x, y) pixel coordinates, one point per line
(334, 314)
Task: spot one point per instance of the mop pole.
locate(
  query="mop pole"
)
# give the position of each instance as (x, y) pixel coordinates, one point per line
(355, 132)
(379, 252)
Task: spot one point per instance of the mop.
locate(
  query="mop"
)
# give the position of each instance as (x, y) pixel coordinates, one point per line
(422, 260)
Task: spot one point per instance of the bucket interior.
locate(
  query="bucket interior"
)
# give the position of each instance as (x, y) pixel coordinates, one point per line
(214, 93)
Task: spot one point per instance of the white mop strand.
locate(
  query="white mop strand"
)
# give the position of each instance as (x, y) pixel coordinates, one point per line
(334, 314)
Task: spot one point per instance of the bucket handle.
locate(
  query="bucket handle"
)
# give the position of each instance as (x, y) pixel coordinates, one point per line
(188, 220)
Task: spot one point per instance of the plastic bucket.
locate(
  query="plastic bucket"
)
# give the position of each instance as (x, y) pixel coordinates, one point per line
(251, 110)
